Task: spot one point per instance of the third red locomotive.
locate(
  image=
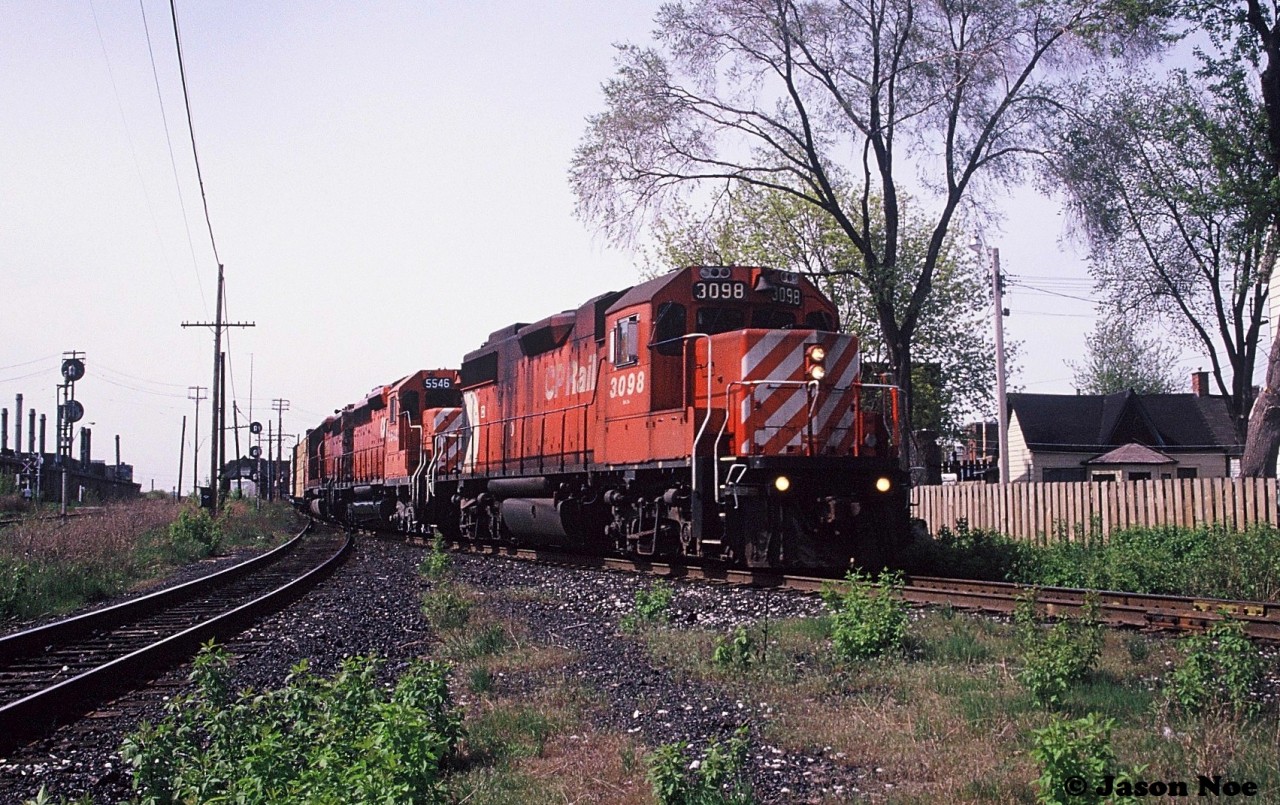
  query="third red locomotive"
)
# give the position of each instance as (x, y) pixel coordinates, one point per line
(712, 412)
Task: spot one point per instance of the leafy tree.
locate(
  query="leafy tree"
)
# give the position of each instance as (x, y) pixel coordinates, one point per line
(1246, 35)
(1170, 184)
(809, 99)
(954, 371)
(1119, 358)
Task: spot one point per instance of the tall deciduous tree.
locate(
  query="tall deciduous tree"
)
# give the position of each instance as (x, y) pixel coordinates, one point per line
(1246, 34)
(809, 98)
(1171, 184)
(1120, 358)
(954, 372)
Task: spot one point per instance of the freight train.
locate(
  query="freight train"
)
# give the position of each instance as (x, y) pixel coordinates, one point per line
(714, 412)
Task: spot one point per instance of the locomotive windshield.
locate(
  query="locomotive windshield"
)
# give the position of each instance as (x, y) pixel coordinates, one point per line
(766, 318)
(712, 320)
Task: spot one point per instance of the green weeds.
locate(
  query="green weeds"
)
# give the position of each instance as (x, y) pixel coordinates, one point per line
(1055, 657)
(435, 565)
(652, 607)
(1075, 757)
(719, 778)
(1208, 560)
(869, 618)
(1220, 669)
(445, 607)
(315, 740)
(736, 653)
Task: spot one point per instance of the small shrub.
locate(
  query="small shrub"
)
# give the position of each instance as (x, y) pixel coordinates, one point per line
(1056, 657)
(736, 652)
(195, 533)
(1074, 757)
(1220, 667)
(653, 606)
(315, 740)
(869, 618)
(436, 563)
(718, 778)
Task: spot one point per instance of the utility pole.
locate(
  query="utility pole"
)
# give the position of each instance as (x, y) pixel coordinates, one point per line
(992, 258)
(279, 406)
(182, 452)
(196, 393)
(217, 403)
(1002, 413)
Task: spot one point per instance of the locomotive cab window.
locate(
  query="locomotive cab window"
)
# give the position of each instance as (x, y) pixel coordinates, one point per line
(626, 341)
(820, 320)
(669, 326)
(712, 320)
(767, 318)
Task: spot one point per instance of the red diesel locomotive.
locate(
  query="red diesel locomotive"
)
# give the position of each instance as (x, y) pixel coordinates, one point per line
(711, 412)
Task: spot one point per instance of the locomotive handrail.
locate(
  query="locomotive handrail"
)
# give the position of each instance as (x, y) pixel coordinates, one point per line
(437, 448)
(894, 390)
(693, 452)
(475, 428)
(417, 471)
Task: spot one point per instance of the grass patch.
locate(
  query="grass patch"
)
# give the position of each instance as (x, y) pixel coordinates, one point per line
(528, 738)
(53, 566)
(446, 606)
(948, 720)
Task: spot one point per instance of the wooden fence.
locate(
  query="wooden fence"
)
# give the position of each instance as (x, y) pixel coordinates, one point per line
(1034, 510)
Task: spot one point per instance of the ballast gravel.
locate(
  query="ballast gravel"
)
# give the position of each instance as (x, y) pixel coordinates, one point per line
(371, 605)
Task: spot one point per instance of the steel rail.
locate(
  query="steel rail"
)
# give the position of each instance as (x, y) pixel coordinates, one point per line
(1261, 620)
(34, 714)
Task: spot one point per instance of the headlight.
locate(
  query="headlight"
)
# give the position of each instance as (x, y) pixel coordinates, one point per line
(817, 372)
(782, 483)
(883, 484)
(818, 354)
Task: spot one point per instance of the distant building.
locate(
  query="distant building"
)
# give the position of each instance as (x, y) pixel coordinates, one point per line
(1121, 437)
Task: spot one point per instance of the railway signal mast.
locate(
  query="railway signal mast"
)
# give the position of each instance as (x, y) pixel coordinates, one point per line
(217, 392)
(70, 411)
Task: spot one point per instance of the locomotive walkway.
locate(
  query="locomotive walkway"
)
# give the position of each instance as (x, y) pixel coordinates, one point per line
(52, 673)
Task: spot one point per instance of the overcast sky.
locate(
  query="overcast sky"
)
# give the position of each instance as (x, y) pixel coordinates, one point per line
(386, 183)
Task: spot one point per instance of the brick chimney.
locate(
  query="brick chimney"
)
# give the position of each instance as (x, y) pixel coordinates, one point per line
(1200, 384)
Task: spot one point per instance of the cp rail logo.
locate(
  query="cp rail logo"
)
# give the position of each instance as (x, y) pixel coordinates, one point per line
(1113, 786)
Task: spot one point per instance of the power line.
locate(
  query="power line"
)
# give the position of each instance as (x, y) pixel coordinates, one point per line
(173, 161)
(195, 155)
(1054, 293)
(28, 363)
(23, 377)
(113, 370)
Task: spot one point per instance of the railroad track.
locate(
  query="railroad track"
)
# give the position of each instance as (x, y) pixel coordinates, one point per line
(54, 673)
(1261, 620)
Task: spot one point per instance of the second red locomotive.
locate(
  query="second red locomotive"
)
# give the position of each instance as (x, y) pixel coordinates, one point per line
(712, 412)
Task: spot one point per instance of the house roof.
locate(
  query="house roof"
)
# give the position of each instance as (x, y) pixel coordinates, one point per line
(1087, 422)
(1132, 454)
